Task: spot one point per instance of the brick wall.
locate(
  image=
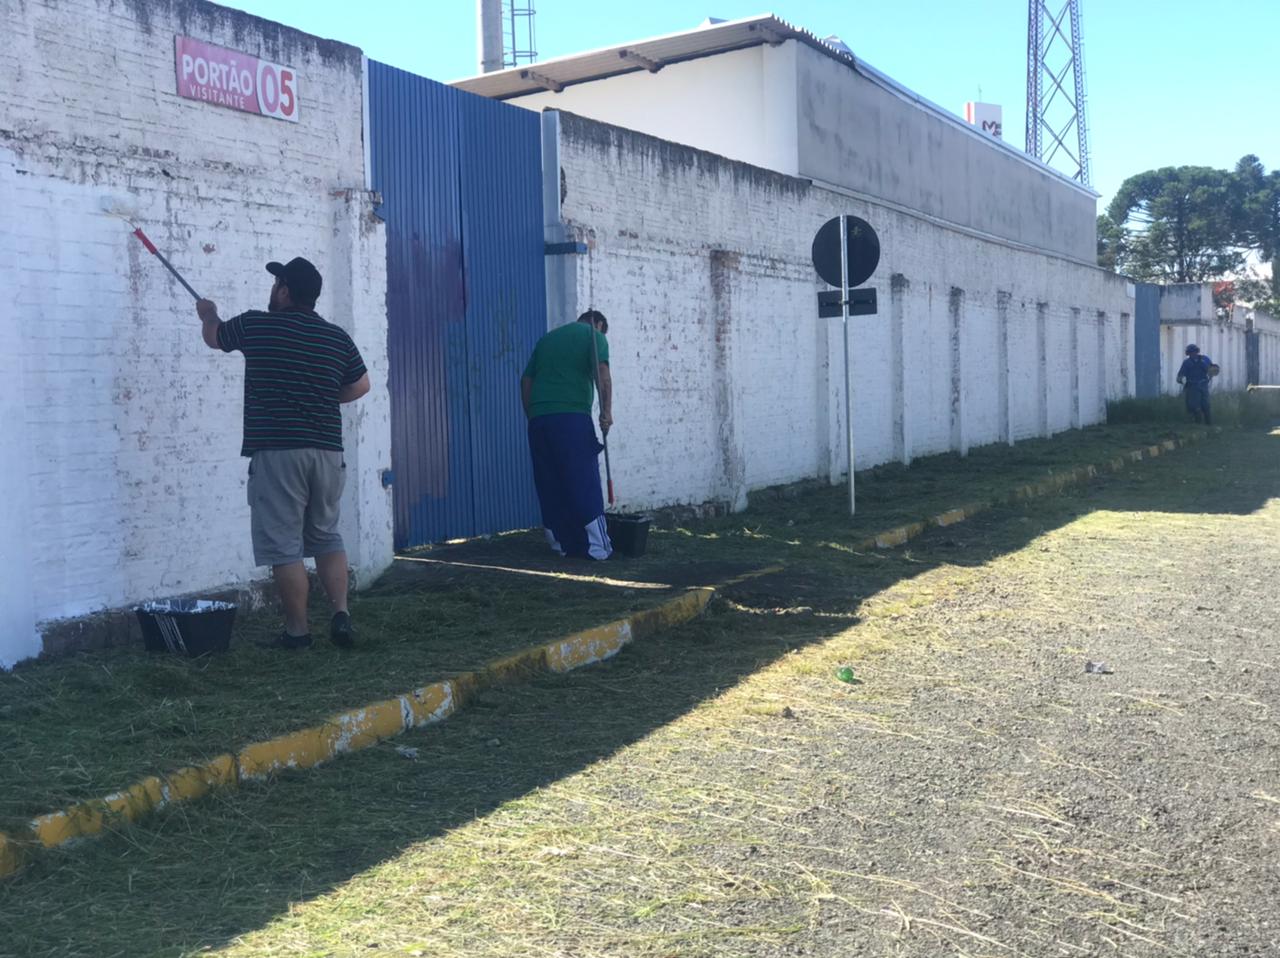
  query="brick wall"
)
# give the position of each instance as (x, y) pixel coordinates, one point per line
(120, 426)
(726, 380)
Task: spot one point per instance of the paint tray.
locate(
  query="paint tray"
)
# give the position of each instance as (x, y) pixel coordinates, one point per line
(628, 533)
(190, 627)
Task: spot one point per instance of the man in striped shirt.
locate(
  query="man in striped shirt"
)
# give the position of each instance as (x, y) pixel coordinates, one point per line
(298, 370)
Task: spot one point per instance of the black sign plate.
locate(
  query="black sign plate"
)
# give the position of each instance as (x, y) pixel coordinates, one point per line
(864, 250)
(862, 302)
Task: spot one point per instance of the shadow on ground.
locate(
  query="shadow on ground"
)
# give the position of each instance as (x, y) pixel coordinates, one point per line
(200, 876)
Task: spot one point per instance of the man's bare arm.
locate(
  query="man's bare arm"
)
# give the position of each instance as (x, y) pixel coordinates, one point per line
(209, 322)
(353, 391)
(526, 392)
(605, 379)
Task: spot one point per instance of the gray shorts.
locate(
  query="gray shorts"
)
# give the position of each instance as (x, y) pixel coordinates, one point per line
(293, 503)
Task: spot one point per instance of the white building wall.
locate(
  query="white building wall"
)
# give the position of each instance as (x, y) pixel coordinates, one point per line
(740, 104)
(726, 380)
(796, 110)
(859, 130)
(119, 424)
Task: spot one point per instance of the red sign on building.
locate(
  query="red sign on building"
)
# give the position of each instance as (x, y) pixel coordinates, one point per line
(236, 80)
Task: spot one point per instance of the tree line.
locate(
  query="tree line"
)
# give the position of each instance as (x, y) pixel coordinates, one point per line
(1193, 224)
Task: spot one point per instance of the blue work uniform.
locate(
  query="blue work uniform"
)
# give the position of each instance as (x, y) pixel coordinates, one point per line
(1194, 372)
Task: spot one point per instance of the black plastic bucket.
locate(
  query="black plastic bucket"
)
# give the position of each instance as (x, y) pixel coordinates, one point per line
(629, 534)
(186, 626)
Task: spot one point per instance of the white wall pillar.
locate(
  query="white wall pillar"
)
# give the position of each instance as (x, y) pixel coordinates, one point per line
(1042, 366)
(357, 282)
(18, 636)
(1076, 398)
(955, 307)
(898, 289)
(1102, 366)
(1003, 298)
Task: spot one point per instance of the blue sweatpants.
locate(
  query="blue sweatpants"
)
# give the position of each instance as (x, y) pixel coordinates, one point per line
(566, 472)
(1197, 398)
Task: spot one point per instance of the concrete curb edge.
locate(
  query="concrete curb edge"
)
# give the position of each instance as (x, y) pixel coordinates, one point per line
(345, 732)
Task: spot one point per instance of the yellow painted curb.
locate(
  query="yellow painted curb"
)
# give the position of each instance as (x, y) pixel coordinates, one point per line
(682, 609)
(593, 645)
(431, 703)
(11, 855)
(896, 537)
(949, 518)
(188, 784)
(348, 731)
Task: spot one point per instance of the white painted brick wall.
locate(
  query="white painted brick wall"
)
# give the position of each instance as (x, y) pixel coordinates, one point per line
(726, 380)
(1225, 344)
(1187, 315)
(122, 427)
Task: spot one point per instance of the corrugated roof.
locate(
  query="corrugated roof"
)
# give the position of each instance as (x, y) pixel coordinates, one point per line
(651, 54)
(655, 53)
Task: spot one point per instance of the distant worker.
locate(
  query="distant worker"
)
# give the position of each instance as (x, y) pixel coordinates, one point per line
(1194, 375)
(298, 369)
(557, 391)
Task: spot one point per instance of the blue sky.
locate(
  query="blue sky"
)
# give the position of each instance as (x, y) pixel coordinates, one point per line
(1170, 82)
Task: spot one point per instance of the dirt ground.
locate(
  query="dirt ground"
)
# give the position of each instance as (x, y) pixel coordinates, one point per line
(718, 791)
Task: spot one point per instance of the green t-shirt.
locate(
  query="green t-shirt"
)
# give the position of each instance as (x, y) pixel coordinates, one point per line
(561, 370)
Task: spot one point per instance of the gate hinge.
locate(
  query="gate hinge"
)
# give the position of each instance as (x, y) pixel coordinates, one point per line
(559, 249)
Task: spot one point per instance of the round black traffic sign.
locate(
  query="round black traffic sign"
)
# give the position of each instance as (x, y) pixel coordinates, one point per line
(864, 250)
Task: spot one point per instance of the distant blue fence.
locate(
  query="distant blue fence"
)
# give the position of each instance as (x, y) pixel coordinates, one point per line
(1146, 340)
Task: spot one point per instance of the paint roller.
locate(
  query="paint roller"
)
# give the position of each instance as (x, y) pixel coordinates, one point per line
(121, 209)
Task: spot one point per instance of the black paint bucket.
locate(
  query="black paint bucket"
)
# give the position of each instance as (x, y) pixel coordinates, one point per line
(629, 534)
(188, 627)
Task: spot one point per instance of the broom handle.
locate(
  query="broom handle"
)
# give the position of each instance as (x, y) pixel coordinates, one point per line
(604, 436)
(151, 248)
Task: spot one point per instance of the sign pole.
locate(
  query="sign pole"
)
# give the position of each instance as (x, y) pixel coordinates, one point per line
(844, 316)
(844, 261)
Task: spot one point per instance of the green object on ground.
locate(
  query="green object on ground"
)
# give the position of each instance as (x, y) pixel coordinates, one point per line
(845, 674)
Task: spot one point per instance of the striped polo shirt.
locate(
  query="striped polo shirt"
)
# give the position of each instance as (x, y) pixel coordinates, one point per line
(295, 364)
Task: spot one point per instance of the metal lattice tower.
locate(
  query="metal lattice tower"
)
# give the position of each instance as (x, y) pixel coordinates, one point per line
(1056, 105)
(518, 45)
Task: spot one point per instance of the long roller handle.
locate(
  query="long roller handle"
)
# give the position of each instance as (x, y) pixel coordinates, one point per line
(608, 473)
(604, 436)
(151, 248)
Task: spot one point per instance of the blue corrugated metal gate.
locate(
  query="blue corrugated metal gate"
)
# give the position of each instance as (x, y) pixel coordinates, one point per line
(1146, 340)
(460, 178)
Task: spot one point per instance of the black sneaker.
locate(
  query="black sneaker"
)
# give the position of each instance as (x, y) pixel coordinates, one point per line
(286, 641)
(344, 637)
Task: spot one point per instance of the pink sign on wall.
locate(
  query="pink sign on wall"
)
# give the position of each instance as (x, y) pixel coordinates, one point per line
(236, 80)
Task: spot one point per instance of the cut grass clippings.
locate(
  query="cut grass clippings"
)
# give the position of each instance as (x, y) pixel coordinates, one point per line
(81, 726)
(718, 791)
(85, 725)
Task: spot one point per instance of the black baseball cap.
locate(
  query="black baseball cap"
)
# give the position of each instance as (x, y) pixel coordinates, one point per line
(302, 278)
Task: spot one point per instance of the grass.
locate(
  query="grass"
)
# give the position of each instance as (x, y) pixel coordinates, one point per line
(85, 725)
(1238, 410)
(667, 802)
(893, 494)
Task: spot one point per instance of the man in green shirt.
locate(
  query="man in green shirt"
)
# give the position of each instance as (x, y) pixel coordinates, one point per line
(557, 390)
